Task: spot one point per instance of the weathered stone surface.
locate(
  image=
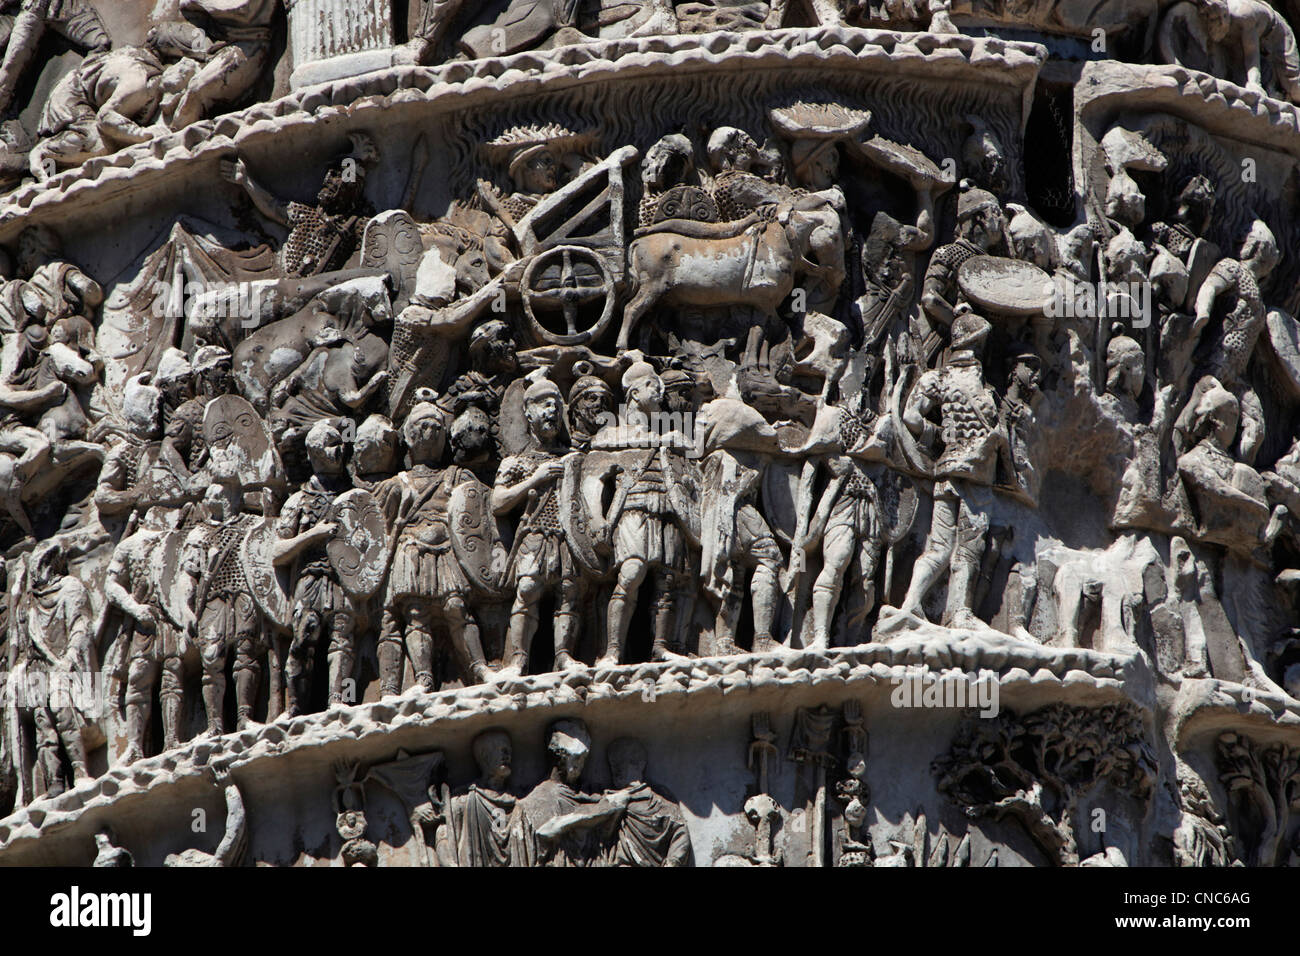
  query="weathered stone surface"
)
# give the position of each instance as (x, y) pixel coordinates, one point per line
(661, 434)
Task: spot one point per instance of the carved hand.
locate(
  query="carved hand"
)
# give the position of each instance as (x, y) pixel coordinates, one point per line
(234, 171)
(548, 472)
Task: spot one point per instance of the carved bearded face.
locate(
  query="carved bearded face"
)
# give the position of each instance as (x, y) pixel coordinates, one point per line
(1028, 376)
(1217, 19)
(571, 763)
(425, 435)
(541, 174)
(376, 447)
(217, 380)
(325, 450)
(543, 416)
(1263, 252)
(36, 247)
(343, 187)
(588, 408)
(216, 500)
(471, 435)
(1127, 372)
(1218, 414)
(627, 761)
(646, 392)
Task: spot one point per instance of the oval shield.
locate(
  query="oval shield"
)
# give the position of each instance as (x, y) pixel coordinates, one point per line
(474, 538)
(1006, 286)
(358, 551)
(239, 444)
(268, 584)
(574, 518)
(172, 591)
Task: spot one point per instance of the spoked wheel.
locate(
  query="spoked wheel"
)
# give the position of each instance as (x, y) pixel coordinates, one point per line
(559, 286)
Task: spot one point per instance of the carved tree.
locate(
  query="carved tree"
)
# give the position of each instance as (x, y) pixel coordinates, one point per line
(1263, 785)
(1037, 768)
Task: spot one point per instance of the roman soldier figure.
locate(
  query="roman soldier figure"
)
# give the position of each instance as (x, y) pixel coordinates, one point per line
(426, 583)
(542, 555)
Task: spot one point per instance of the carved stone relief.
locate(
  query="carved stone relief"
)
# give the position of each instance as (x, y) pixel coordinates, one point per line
(365, 379)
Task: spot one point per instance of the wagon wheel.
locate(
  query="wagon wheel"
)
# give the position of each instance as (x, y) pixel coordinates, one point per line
(563, 280)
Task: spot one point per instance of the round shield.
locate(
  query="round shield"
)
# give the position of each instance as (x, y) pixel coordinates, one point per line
(575, 519)
(268, 584)
(239, 444)
(358, 552)
(1006, 286)
(903, 160)
(474, 538)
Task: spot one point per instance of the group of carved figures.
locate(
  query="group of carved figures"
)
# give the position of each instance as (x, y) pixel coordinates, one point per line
(212, 58)
(485, 823)
(430, 434)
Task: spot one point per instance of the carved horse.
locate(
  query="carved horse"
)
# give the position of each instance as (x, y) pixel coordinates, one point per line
(754, 262)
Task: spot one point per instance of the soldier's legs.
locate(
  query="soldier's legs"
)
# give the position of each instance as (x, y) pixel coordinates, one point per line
(277, 652)
(567, 622)
(24, 37)
(302, 653)
(82, 25)
(212, 656)
(837, 551)
(465, 638)
(764, 588)
(419, 642)
(390, 651)
(47, 750)
(725, 622)
(1252, 425)
(523, 621)
(140, 677)
(827, 12)
(665, 611)
(247, 666)
(968, 554)
(68, 148)
(435, 18)
(341, 654)
(868, 561)
(938, 551)
(631, 572)
(65, 722)
(169, 695)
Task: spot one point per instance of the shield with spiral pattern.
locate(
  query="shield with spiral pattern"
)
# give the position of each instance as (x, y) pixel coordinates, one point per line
(358, 551)
(474, 538)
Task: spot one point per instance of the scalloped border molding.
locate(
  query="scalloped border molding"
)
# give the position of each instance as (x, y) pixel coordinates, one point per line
(1023, 671)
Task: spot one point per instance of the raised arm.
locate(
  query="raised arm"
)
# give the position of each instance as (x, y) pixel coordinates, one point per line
(236, 171)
